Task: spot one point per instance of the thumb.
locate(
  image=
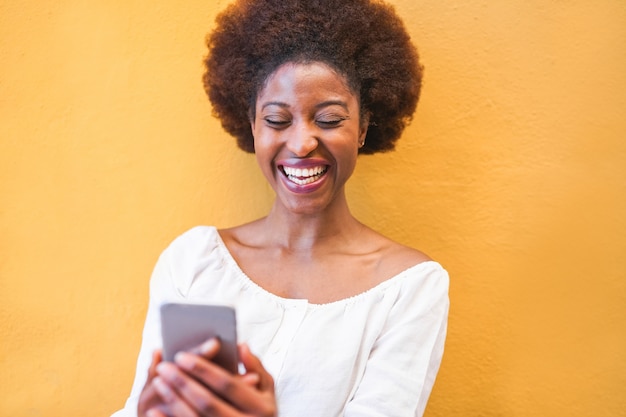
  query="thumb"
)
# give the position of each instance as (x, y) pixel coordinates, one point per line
(254, 366)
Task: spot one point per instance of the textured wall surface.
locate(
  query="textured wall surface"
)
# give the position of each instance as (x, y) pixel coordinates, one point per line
(512, 174)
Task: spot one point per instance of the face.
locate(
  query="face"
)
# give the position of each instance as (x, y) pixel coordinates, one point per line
(307, 132)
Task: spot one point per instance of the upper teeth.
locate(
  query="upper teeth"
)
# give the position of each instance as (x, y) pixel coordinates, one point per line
(304, 172)
(303, 176)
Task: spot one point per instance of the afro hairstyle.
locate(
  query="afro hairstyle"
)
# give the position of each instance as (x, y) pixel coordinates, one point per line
(363, 40)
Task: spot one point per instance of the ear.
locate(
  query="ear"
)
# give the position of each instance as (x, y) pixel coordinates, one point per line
(365, 122)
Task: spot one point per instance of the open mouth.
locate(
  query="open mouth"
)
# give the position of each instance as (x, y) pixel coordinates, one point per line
(303, 176)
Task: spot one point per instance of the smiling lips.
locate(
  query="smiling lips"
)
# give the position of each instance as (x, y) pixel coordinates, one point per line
(304, 176)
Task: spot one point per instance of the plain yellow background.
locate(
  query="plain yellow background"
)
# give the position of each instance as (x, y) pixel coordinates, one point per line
(512, 174)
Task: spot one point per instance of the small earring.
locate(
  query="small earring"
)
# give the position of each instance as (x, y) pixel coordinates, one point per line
(361, 143)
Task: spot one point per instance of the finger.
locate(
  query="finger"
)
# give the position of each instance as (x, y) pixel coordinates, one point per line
(253, 365)
(231, 388)
(149, 397)
(252, 379)
(208, 349)
(196, 395)
(157, 357)
(175, 403)
(155, 412)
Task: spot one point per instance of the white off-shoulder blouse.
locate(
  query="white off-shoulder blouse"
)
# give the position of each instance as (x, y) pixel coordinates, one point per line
(373, 354)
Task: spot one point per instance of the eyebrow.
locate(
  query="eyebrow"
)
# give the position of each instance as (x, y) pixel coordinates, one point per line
(326, 103)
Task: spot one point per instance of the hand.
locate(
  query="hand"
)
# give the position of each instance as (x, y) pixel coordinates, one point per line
(194, 386)
(149, 399)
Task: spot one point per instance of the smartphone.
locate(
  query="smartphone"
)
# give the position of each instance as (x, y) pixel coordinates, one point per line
(187, 326)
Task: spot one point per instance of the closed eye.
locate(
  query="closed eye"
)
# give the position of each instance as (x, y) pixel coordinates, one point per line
(276, 123)
(329, 123)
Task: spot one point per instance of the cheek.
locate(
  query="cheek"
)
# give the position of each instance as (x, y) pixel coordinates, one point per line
(262, 144)
(346, 156)
(264, 152)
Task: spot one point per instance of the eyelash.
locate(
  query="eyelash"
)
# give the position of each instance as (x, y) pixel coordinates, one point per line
(330, 123)
(325, 124)
(276, 123)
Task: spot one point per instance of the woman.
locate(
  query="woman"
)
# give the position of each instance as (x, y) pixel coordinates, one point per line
(341, 320)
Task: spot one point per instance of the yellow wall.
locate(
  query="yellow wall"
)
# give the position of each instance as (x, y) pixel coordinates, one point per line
(513, 175)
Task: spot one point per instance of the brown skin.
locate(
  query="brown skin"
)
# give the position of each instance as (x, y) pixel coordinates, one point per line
(309, 246)
(194, 386)
(322, 268)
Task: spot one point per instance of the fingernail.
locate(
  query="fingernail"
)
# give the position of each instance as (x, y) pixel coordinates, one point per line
(163, 389)
(184, 360)
(253, 378)
(162, 368)
(208, 346)
(166, 371)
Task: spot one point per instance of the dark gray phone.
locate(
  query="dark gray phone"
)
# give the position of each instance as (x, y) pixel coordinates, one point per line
(186, 326)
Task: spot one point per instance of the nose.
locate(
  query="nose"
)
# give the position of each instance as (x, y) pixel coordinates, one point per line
(302, 139)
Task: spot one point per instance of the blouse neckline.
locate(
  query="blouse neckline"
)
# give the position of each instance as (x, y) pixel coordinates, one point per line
(295, 302)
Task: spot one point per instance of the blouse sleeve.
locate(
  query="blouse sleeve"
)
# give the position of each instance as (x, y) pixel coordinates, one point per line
(402, 365)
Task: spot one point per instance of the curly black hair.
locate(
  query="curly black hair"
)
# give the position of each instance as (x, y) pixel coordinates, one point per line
(364, 40)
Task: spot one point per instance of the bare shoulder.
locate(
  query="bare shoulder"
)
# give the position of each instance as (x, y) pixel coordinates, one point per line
(246, 234)
(407, 255)
(395, 257)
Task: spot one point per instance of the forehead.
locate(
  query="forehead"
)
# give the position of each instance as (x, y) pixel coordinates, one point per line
(305, 80)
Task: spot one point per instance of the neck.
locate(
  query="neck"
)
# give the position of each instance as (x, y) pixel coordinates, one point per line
(306, 231)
